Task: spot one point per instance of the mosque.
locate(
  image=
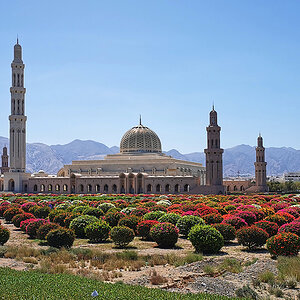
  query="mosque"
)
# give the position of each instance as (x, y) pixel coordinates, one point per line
(140, 167)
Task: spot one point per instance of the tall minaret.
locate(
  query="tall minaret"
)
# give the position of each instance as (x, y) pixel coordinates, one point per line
(4, 161)
(17, 118)
(214, 161)
(260, 166)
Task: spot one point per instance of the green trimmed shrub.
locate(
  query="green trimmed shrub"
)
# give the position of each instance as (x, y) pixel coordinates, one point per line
(106, 206)
(60, 237)
(93, 211)
(17, 219)
(228, 231)
(113, 218)
(252, 237)
(143, 229)
(206, 239)
(11, 212)
(4, 235)
(187, 222)
(79, 224)
(79, 209)
(284, 244)
(164, 234)
(169, 218)
(42, 212)
(129, 221)
(98, 231)
(122, 235)
(154, 215)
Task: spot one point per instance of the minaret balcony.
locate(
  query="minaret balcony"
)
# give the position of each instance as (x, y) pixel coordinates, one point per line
(18, 90)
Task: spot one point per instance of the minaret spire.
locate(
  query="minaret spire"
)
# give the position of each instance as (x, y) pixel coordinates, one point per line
(140, 119)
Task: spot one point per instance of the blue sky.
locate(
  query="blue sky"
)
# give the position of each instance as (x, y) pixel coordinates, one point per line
(93, 66)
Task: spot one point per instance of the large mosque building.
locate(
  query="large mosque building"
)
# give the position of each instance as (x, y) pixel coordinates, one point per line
(140, 167)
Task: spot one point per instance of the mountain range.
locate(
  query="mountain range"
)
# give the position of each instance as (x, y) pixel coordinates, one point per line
(238, 159)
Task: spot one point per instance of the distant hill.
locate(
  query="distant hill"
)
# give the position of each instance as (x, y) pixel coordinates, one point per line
(237, 159)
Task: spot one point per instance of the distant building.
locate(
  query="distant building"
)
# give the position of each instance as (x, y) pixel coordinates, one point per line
(292, 176)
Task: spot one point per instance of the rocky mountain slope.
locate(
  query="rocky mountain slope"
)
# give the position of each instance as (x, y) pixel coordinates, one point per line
(237, 159)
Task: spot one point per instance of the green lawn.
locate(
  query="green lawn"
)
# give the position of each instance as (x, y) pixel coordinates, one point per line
(32, 285)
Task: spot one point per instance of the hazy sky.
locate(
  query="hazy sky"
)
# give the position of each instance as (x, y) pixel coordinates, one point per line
(93, 66)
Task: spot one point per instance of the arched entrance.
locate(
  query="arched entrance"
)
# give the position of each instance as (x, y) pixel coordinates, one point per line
(11, 185)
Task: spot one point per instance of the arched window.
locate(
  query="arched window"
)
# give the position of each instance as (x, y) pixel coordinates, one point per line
(50, 188)
(114, 188)
(42, 188)
(11, 185)
(65, 187)
(228, 188)
(235, 188)
(105, 188)
(167, 188)
(97, 188)
(158, 188)
(89, 188)
(35, 188)
(149, 188)
(57, 187)
(122, 189)
(177, 189)
(242, 188)
(186, 188)
(81, 188)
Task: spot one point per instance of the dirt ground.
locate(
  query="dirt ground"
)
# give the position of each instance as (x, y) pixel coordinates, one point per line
(190, 278)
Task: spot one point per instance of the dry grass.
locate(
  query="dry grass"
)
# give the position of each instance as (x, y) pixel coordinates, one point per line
(157, 279)
(21, 252)
(289, 267)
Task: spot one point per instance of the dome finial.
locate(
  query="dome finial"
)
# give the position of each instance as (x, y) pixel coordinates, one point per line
(17, 39)
(140, 119)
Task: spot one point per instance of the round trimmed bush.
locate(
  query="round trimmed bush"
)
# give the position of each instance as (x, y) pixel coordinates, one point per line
(113, 218)
(206, 239)
(276, 218)
(4, 235)
(212, 218)
(11, 212)
(45, 229)
(139, 212)
(270, 227)
(33, 226)
(106, 206)
(42, 212)
(185, 224)
(26, 206)
(169, 218)
(60, 237)
(60, 218)
(53, 213)
(93, 211)
(79, 209)
(293, 227)
(154, 215)
(69, 218)
(129, 221)
(79, 224)
(122, 235)
(98, 231)
(252, 237)
(228, 232)
(248, 216)
(24, 224)
(164, 234)
(17, 219)
(235, 221)
(143, 229)
(285, 244)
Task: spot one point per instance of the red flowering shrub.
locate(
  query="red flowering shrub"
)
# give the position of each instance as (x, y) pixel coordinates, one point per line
(288, 217)
(43, 230)
(17, 219)
(32, 227)
(26, 206)
(270, 227)
(279, 206)
(139, 212)
(293, 227)
(11, 212)
(143, 228)
(206, 210)
(4, 207)
(235, 221)
(4, 235)
(285, 244)
(130, 222)
(252, 237)
(164, 234)
(228, 232)
(212, 218)
(248, 216)
(278, 219)
(191, 213)
(24, 224)
(291, 211)
(158, 208)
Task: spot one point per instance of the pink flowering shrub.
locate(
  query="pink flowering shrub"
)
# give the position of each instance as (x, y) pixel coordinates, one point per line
(164, 234)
